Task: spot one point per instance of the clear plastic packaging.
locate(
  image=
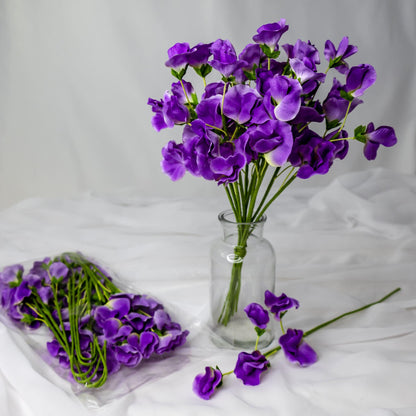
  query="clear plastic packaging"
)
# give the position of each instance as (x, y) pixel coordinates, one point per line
(98, 338)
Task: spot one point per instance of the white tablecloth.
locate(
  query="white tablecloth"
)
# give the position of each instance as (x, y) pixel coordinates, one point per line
(337, 247)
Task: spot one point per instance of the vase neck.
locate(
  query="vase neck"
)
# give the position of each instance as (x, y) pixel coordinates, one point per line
(234, 230)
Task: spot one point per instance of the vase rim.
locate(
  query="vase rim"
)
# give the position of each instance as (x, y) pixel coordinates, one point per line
(228, 216)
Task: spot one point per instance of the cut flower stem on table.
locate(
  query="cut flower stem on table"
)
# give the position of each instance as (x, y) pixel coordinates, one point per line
(250, 366)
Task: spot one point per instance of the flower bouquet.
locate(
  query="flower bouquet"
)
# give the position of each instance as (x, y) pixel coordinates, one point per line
(262, 123)
(94, 328)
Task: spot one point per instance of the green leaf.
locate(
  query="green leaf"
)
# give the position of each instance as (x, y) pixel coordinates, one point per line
(332, 124)
(259, 331)
(346, 95)
(179, 75)
(28, 319)
(251, 76)
(359, 134)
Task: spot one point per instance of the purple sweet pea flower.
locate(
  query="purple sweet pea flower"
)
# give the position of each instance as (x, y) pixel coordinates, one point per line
(312, 154)
(178, 56)
(304, 73)
(306, 52)
(279, 304)
(173, 162)
(199, 54)
(285, 92)
(341, 146)
(127, 355)
(295, 349)
(161, 319)
(171, 110)
(204, 385)
(273, 138)
(270, 34)
(336, 57)
(58, 269)
(384, 135)
(119, 304)
(171, 340)
(149, 342)
(249, 367)
(308, 114)
(257, 315)
(214, 88)
(239, 102)
(55, 350)
(359, 78)
(10, 273)
(209, 110)
(334, 106)
(229, 161)
(224, 57)
(200, 147)
(251, 54)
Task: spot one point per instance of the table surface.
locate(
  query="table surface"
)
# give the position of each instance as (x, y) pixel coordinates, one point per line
(338, 247)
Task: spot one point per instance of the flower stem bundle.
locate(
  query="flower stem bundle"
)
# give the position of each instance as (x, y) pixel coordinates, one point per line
(97, 329)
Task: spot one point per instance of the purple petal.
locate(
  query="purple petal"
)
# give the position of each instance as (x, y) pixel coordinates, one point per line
(58, 269)
(204, 385)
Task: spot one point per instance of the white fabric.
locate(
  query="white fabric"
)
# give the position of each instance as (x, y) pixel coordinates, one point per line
(75, 77)
(338, 247)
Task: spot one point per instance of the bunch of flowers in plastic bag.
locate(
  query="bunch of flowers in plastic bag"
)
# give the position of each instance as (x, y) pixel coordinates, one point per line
(97, 329)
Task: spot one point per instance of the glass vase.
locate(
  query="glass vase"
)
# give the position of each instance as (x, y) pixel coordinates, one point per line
(243, 266)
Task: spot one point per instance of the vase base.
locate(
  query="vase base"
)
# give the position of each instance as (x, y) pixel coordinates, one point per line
(239, 333)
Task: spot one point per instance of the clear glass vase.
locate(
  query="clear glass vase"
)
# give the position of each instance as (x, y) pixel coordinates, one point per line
(243, 267)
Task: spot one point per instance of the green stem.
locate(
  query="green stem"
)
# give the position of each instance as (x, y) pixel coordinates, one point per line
(331, 321)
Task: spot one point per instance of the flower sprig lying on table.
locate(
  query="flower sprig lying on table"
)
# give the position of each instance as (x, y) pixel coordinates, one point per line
(265, 119)
(97, 329)
(251, 365)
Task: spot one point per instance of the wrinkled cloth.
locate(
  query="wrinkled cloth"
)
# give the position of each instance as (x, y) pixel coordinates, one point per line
(338, 247)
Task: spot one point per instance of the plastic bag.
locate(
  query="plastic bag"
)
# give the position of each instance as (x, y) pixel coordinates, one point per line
(100, 339)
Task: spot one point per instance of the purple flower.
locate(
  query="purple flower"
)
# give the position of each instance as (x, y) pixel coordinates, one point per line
(336, 57)
(171, 110)
(120, 304)
(209, 110)
(249, 367)
(199, 54)
(312, 154)
(239, 102)
(295, 349)
(171, 340)
(283, 97)
(214, 88)
(224, 57)
(384, 135)
(178, 56)
(257, 315)
(127, 355)
(148, 344)
(11, 273)
(359, 78)
(229, 161)
(270, 34)
(273, 138)
(304, 73)
(204, 385)
(58, 269)
(251, 54)
(162, 320)
(173, 162)
(306, 52)
(279, 304)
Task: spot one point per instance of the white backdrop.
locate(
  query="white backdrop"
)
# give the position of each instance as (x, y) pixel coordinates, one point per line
(75, 77)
